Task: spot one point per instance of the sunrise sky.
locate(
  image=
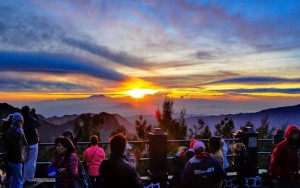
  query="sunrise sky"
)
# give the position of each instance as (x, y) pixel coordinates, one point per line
(217, 50)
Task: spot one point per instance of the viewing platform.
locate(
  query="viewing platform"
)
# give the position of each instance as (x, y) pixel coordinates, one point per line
(158, 154)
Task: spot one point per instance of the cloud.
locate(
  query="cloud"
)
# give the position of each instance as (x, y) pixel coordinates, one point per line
(53, 63)
(204, 55)
(10, 84)
(264, 90)
(257, 80)
(191, 80)
(118, 57)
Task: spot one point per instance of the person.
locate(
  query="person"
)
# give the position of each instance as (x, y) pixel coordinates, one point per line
(64, 163)
(279, 136)
(202, 170)
(224, 149)
(30, 150)
(13, 146)
(214, 147)
(129, 156)
(284, 164)
(93, 157)
(68, 133)
(180, 159)
(242, 163)
(117, 171)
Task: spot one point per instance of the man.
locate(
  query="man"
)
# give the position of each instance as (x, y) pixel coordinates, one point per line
(284, 163)
(202, 170)
(117, 171)
(13, 146)
(31, 150)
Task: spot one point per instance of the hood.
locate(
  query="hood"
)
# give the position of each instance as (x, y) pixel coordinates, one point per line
(289, 129)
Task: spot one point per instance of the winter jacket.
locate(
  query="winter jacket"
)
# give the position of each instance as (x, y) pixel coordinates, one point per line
(70, 162)
(202, 172)
(284, 160)
(118, 172)
(30, 129)
(13, 145)
(93, 157)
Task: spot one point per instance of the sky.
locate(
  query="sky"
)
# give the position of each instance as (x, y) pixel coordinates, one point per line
(220, 51)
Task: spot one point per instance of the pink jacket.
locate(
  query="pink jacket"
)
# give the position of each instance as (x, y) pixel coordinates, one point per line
(95, 161)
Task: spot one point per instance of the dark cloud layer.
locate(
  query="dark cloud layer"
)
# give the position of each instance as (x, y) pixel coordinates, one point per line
(257, 80)
(18, 84)
(118, 57)
(52, 63)
(264, 90)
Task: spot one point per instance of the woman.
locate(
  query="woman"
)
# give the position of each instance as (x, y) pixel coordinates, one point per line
(65, 162)
(93, 157)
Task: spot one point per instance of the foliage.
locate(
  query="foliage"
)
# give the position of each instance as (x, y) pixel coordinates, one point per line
(175, 128)
(264, 130)
(225, 128)
(142, 128)
(201, 131)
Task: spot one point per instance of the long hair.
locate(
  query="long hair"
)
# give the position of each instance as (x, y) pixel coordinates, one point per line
(66, 142)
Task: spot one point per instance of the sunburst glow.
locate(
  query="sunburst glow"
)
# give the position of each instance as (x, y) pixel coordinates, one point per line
(140, 93)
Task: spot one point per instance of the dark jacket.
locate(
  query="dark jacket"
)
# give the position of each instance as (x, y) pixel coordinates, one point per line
(242, 164)
(118, 172)
(202, 172)
(70, 162)
(284, 160)
(31, 133)
(13, 145)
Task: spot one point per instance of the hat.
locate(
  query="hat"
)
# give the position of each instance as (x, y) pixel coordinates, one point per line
(192, 143)
(17, 117)
(8, 118)
(198, 145)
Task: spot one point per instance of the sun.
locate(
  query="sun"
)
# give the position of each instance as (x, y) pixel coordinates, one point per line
(140, 93)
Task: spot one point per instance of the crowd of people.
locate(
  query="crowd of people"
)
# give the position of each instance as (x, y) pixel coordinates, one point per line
(199, 165)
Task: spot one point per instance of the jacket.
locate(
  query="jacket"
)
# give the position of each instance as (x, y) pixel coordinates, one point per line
(93, 157)
(70, 162)
(202, 172)
(118, 172)
(284, 160)
(13, 145)
(30, 129)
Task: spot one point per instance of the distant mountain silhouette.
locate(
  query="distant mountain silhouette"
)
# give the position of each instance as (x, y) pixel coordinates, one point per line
(105, 123)
(276, 116)
(6, 109)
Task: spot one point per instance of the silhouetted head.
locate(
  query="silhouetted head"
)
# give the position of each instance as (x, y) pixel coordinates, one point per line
(94, 140)
(68, 133)
(25, 110)
(214, 144)
(118, 144)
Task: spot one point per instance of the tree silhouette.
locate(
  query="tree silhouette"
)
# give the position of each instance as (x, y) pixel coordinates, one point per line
(175, 128)
(201, 130)
(225, 128)
(142, 128)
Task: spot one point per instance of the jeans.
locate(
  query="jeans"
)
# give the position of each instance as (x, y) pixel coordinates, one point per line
(30, 158)
(16, 180)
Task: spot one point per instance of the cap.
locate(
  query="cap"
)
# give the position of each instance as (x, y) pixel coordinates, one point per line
(198, 145)
(17, 117)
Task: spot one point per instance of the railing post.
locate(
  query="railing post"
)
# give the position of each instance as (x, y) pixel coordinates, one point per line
(158, 157)
(249, 138)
